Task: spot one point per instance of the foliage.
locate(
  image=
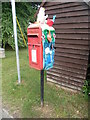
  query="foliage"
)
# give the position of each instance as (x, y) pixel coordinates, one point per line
(25, 12)
(86, 87)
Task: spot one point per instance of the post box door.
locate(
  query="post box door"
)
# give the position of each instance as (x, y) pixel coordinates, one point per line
(36, 56)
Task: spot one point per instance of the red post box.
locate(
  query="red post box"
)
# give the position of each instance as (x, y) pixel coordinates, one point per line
(35, 47)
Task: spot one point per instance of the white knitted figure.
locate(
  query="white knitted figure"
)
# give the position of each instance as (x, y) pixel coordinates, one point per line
(41, 16)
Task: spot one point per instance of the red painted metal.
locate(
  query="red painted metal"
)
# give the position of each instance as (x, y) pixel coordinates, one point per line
(35, 47)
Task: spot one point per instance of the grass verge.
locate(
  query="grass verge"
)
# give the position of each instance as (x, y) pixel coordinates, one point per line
(24, 100)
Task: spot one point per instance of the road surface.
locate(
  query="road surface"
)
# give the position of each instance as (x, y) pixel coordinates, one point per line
(5, 114)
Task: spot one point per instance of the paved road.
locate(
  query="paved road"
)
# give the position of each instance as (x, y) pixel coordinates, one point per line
(5, 114)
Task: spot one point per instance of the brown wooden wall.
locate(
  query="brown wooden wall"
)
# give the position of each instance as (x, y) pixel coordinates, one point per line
(72, 50)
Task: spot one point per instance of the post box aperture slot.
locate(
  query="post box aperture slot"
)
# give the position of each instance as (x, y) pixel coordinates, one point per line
(33, 38)
(33, 35)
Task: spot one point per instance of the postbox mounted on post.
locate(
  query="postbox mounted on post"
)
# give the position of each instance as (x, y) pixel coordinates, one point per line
(41, 42)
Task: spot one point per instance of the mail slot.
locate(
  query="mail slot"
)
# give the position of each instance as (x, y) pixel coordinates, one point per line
(41, 42)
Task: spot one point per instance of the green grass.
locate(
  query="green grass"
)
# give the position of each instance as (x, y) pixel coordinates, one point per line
(24, 100)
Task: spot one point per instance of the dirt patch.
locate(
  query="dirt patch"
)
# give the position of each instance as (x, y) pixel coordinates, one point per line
(16, 113)
(45, 112)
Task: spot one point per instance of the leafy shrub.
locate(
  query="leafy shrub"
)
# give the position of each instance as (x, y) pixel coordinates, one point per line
(25, 13)
(86, 87)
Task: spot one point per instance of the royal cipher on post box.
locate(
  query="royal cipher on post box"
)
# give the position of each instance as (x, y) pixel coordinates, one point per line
(41, 42)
